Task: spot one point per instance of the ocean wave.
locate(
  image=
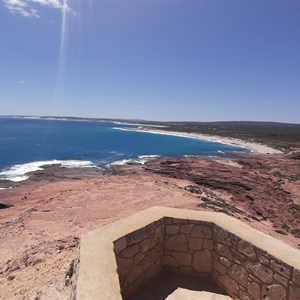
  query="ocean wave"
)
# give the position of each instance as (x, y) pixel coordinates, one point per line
(142, 159)
(118, 128)
(19, 172)
(149, 156)
(122, 162)
(127, 129)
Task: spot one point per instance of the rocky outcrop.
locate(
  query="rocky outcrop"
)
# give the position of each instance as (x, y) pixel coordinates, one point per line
(255, 185)
(50, 211)
(38, 253)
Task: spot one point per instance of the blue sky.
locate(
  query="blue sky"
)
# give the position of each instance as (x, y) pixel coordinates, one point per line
(155, 60)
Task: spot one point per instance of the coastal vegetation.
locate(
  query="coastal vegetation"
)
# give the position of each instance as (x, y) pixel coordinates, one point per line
(281, 136)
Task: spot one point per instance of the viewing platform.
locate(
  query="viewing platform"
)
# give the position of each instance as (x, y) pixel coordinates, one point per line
(168, 253)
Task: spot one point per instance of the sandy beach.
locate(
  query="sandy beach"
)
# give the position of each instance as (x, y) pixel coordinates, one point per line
(253, 147)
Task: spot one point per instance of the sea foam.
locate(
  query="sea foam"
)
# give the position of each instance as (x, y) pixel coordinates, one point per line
(19, 172)
(142, 159)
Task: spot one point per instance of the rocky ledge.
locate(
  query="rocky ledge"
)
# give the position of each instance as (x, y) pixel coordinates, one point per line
(42, 219)
(259, 187)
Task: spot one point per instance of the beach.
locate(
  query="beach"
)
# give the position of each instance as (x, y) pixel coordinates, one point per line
(253, 147)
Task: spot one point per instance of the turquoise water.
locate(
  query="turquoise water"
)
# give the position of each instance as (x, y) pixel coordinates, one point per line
(78, 143)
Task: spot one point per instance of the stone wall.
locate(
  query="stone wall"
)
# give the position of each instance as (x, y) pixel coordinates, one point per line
(138, 256)
(124, 255)
(188, 247)
(247, 272)
(203, 249)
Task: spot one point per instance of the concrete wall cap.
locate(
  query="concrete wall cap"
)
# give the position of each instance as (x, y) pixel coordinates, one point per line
(184, 294)
(98, 270)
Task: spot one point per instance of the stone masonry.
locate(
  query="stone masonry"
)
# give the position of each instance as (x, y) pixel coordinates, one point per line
(117, 260)
(138, 257)
(206, 250)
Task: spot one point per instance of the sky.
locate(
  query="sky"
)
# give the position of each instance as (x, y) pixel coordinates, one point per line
(155, 60)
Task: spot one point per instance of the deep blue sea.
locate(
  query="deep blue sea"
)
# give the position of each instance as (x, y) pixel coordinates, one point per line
(27, 144)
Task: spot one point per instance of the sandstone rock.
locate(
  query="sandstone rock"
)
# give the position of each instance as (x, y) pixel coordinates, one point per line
(158, 236)
(247, 249)
(219, 267)
(172, 229)
(134, 274)
(186, 228)
(224, 251)
(146, 245)
(229, 284)
(254, 279)
(202, 261)
(251, 186)
(237, 255)
(201, 231)
(281, 279)
(120, 244)
(195, 243)
(225, 262)
(294, 292)
(151, 257)
(184, 259)
(124, 265)
(208, 244)
(274, 292)
(239, 274)
(138, 258)
(130, 251)
(254, 290)
(176, 243)
(262, 259)
(169, 261)
(65, 198)
(296, 276)
(280, 268)
(261, 272)
(137, 236)
(221, 236)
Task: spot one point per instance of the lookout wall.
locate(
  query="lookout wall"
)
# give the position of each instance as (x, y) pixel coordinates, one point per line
(117, 260)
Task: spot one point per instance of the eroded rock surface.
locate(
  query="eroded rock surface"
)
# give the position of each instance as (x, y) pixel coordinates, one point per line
(41, 220)
(256, 185)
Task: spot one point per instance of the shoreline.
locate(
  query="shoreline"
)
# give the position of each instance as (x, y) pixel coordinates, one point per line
(253, 147)
(20, 172)
(138, 124)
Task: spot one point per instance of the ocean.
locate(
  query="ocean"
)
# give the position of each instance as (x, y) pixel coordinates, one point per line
(28, 144)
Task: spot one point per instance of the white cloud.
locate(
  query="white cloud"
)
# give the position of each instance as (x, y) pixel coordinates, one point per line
(21, 81)
(29, 8)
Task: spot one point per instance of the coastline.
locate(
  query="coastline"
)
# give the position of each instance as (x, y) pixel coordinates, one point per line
(44, 218)
(19, 173)
(253, 147)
